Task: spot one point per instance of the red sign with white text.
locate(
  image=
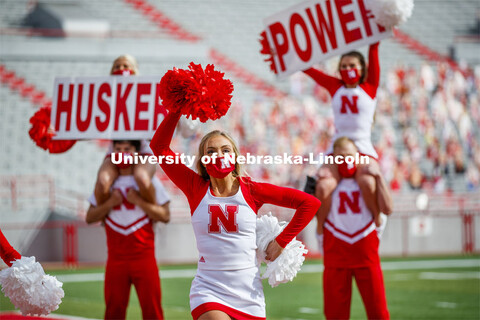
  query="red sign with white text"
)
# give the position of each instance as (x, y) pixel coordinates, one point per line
(112, 107)
(313, 31)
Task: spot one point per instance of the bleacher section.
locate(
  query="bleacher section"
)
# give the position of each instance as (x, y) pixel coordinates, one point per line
(231, 28)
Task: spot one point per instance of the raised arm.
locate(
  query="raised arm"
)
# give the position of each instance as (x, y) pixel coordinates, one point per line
(328, 82)
(373, 66)
(183, 177)
(160, 143)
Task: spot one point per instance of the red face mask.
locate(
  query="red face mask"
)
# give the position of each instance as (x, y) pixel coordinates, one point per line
(219, 167)
(123, 164)
(351, 76)
(347, 170)
(125, 72)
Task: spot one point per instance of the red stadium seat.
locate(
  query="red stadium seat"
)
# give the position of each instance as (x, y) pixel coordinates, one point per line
(16, 83)
(7, 77)
(38, 97)
(26, 90)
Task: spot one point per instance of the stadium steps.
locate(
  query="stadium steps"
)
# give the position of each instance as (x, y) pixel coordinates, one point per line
(437, 23)
(162, 21)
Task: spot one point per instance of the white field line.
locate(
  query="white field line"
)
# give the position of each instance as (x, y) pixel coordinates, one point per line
(309, 310)
(448, 276)
(84, 277)
(431, 264)
(462, 275)
(449, 305)
(50, 316)
(410, 265)
(310, 268)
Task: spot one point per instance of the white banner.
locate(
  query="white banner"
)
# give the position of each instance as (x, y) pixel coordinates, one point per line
(313, 31)
(112, 107)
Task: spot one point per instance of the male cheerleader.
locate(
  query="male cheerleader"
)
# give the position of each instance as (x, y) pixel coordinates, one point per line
(350, 244)
(128, 220)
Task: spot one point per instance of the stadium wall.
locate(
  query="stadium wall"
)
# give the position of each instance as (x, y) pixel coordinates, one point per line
(405, 235)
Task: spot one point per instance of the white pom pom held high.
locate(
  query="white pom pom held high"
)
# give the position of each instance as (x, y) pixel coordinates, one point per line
(391, 13)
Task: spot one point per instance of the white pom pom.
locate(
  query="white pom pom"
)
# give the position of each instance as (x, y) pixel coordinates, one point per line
(268, 228)
(30, 289)
(391, 13)
(287, 265)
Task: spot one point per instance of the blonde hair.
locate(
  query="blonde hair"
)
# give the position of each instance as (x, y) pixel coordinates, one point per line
(340, 142)
(131, 59)
(238, 172)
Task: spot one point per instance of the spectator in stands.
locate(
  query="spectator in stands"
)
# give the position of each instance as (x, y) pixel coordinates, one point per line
(128, 219)
(459, 163)
(415, 178)
(397, 182)
(473, 178)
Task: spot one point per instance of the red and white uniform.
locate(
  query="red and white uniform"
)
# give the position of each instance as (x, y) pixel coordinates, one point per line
(351, 250)
(228, 276)
(353, 108)
(131, 254)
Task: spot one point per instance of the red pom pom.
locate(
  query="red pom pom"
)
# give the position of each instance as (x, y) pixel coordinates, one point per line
(195, 92)
(42, 132)
(267, 51)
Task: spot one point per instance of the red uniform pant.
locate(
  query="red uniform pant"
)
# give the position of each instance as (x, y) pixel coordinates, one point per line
(337, 291)
(143, 274)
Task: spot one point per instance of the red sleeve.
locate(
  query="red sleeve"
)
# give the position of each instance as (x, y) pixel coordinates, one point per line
(184, 178)
(373, 80)
(7, 252)
(306, 206)
(330, 83)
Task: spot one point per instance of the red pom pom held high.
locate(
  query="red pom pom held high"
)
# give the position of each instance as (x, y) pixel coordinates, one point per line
(42, 132)
(202, 94)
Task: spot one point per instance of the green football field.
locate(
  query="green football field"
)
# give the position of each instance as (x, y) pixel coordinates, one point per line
(421, 288)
